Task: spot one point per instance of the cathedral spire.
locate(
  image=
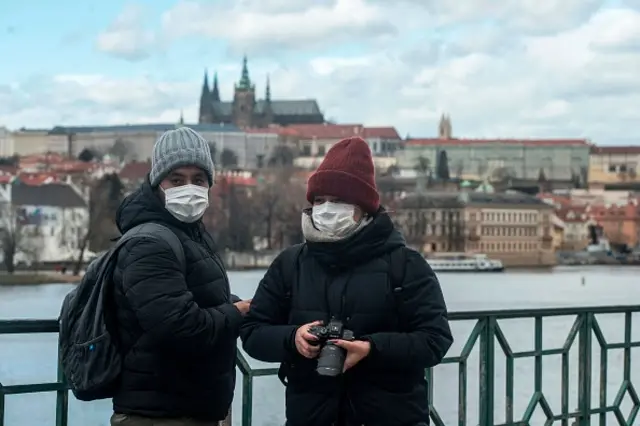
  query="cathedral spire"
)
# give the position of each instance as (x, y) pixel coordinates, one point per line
(215, 92)
(267, 95)
(444, 127)
(205, 101)
(245, 81)
(205, 83)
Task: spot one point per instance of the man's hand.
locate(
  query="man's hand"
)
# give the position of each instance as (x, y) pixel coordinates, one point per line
(303, 339)
(357, 350)
(243, 306)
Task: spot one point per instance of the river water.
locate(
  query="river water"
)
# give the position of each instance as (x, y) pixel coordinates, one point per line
(28, 359)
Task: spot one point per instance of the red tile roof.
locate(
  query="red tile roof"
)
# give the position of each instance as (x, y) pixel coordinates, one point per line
(615, 212)
(381, 132)
(555, 199)
(273, 130)
(50, 158)
(328, 131)
(616, 150)
(74, 167)
(525, 142)
(31, 178)
(135, 170)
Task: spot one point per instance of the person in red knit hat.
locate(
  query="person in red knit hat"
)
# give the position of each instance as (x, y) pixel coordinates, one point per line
(352, 315)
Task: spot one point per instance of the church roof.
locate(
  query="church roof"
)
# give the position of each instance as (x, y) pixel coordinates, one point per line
(52, 195)
(279, 107)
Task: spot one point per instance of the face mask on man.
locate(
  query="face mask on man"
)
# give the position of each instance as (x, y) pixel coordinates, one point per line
(187, 203)
(334, 219)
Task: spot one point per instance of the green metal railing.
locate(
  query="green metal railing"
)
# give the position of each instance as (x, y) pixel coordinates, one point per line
(488, 335)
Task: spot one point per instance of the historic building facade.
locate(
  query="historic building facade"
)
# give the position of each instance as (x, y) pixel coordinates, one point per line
(246, 110)
(614, 167)
(513, 227)
(559, 160)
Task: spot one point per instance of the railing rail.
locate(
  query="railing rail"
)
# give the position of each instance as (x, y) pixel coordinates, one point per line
(488, 334)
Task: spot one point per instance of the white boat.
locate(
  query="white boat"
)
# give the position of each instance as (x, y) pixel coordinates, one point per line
(462, 262)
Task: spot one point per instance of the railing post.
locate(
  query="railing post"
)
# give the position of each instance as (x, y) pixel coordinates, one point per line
(487, 367)
(2, 401)
(62, 397)
(247, 399)
(584, 369)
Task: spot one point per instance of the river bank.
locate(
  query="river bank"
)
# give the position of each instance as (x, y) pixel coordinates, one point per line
(37, 278)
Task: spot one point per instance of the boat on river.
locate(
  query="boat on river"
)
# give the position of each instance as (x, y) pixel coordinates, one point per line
(463, 262)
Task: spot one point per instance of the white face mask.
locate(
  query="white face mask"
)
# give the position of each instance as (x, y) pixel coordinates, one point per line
(334, 219)
(186, 203)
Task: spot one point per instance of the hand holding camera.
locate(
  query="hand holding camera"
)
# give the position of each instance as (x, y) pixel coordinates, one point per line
(307, 343)
(339, 350)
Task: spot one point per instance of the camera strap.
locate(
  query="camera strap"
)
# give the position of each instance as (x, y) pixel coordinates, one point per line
(290, 278)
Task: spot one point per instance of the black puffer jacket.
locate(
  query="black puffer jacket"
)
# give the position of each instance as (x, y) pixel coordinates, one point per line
(181, 330)
(351, 280)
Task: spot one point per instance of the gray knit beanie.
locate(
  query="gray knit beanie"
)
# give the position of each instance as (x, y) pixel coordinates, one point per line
(179, 148)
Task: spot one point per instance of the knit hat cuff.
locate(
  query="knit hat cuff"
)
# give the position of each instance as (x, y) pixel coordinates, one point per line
(174, 160)
(345, 186)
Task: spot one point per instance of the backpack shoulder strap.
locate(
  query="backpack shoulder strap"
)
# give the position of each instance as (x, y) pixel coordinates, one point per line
(158, 231)
(290, 262)
(397, 267)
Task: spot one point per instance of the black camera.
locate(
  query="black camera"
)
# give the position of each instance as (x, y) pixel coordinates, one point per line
(331, 358)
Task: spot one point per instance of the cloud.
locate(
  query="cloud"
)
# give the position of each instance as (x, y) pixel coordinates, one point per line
(126, 38)
(531, 16)
(507, 69)
(253, 26)
(94, 99)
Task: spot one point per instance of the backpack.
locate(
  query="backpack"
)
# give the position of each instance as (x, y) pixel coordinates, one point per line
(397, 268)
(90, 352)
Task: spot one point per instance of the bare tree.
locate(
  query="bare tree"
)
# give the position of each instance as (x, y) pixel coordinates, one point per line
(19, 238)
(502, 174)
(229, 218)
(423, 166)
(228, 158)
(121, 149)
(292, 204)
(282, 155)
(459, 169)
(104, 200)
(267, 201)
(276, 203)
(481, 169)
(423, 169)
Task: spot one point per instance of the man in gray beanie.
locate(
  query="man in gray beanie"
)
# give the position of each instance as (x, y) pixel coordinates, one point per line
(175, 312)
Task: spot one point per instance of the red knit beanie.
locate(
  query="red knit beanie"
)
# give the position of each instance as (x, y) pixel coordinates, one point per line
(347, 172)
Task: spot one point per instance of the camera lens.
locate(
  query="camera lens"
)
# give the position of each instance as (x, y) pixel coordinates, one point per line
(331, 360)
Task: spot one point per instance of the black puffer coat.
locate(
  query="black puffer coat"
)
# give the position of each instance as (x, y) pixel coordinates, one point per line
(351, 280)
(181, 330)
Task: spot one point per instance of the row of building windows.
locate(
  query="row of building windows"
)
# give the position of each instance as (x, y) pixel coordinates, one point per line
(420, 229)
(509, 246)
(509, 231)
(434, 215)
(509, 217)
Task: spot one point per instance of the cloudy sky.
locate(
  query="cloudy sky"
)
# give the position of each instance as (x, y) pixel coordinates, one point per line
(509, 68)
